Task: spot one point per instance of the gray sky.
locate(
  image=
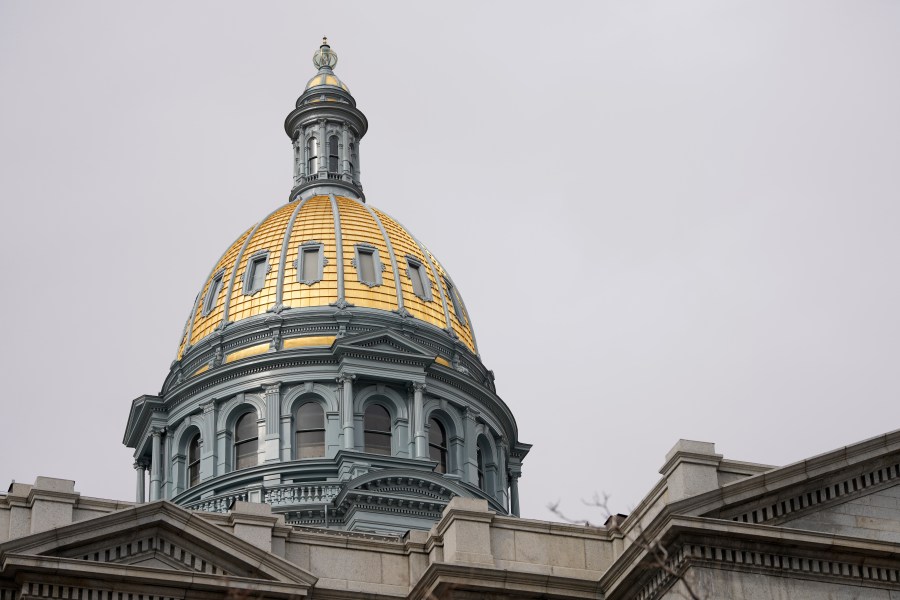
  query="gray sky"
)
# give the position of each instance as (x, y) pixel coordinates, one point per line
(667, 219)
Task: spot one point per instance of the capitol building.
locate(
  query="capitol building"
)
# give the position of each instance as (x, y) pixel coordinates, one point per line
(327, 429)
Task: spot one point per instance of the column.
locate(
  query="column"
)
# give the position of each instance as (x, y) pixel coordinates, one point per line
(298, 160)
(502, 477)
(347, 409)
(470, 466)
(323, 150)
(273, 412)
(421, 442)
(302, 141)
(345, 152)
(515, 471)
(140, 469)
(156, 464)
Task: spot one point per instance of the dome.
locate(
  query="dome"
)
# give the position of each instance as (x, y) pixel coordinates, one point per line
(263, 271)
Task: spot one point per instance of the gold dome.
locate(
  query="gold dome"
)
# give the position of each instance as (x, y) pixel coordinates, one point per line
(321, 221)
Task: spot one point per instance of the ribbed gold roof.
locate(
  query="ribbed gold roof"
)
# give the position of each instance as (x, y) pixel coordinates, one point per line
(321, 219)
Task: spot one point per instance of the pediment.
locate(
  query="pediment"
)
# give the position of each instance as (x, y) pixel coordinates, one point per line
(156, 537)
(860, 502)
(869, 514)
(383, 341)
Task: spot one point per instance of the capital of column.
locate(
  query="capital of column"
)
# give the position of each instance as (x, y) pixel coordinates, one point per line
(417, 386)
(157, 431)
(140, 465)
(514, 471)
(345, 377)
(272, 388)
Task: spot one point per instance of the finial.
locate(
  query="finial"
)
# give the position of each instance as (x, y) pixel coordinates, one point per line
(325, 57)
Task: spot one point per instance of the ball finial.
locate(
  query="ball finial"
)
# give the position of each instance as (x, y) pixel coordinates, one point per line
(325, 57)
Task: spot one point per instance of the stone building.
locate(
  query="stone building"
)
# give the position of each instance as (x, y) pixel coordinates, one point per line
(327, 429)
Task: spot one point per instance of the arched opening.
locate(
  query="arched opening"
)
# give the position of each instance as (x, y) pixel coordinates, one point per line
(377, 430)
(333, 158)
(246, 441)
(310, 430)
(312, 155)
(437, 445)
(487, 468)
(193, 466)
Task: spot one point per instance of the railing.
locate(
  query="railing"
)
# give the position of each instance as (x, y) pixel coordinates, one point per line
(301, 179)
(279, 495)
(217, 504)
(302, 493)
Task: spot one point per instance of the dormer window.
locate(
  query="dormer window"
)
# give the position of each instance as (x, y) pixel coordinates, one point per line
(333, 158)
(212, 294)
(255, 274)
(457, 303)
(310, 262)
(419, 278)
(368, 266)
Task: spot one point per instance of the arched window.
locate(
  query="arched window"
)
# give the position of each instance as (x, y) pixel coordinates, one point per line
(437, 445)
(377, 428)
(333, 158)
(312, 155)
(310, 431)
(246, 441)
(479, 458)
(193, 467)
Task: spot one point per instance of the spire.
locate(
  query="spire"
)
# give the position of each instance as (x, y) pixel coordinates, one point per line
(325, 128)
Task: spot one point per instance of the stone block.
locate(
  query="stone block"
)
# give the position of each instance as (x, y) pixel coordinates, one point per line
(503, 544)
(598, 554)
(345, 564)
(252, 508)
(394, 570)
(52, 484)
(467, 542)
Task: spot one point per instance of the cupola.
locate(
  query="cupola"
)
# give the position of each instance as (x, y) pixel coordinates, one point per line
(325, 129)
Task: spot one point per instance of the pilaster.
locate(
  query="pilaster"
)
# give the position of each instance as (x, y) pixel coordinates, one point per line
(273, 412)
(421, 442)
(347, 426)
(208, 441)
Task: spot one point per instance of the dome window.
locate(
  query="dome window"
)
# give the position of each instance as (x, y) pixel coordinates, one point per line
(310, 263)
(310, 434)
(333, 157)
(437, 445)
(368, 265)
(419, 278)
(212, 294)
(312, 155)
(246, 441)
(377, 430)
(457, 303)
(255, 273)
(193, 467)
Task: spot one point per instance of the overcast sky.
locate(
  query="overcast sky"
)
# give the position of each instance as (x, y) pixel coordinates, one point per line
(667, 219)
